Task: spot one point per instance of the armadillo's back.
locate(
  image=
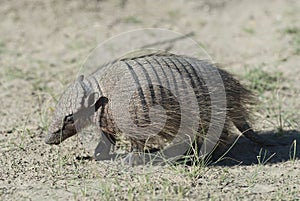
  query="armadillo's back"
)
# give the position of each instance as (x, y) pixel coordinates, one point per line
(163, 96)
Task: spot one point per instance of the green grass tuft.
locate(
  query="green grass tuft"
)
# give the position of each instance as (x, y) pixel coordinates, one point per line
(248, 30)
(294, 32)
(132, 20)
(262, 81)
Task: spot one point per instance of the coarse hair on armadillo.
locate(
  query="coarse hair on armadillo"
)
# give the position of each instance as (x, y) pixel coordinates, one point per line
(238, 98)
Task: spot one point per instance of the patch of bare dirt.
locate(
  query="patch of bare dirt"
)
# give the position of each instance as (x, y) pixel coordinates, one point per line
(42, 47)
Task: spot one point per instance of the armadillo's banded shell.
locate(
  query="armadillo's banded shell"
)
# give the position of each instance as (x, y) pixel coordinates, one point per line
(157, 94)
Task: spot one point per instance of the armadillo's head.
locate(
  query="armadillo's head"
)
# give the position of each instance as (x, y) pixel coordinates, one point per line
(73, 112)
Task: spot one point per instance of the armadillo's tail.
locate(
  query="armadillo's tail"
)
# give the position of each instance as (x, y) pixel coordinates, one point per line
(248, 132)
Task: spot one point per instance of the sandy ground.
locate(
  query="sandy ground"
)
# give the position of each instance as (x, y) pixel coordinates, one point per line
(42, 47)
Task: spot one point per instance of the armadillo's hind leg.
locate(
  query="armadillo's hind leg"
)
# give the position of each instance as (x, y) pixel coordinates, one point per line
(248, 132)
(104, 147)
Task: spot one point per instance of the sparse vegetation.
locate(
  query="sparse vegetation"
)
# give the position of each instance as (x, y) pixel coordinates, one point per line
(294, 32)
(132, 19)
(2, 47)
(42, 46)
(262, 81)
(248, 30)
(268, 85)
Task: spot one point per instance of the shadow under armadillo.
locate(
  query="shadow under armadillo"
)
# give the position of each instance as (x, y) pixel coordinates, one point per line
(245, 152)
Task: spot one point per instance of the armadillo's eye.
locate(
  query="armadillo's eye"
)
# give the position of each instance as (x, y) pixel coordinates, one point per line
(69, 119)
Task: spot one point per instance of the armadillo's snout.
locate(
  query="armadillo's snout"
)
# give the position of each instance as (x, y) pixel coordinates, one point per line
(59, 136)
(53, 138)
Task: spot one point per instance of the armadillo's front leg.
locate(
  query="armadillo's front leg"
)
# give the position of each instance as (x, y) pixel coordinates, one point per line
(103, 149)
(136, 156)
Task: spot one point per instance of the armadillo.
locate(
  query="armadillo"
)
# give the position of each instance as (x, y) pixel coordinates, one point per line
(144, 93)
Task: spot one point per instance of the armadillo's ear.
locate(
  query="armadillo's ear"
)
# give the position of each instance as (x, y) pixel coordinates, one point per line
(80, 93)
(91, 99)
(81, 85)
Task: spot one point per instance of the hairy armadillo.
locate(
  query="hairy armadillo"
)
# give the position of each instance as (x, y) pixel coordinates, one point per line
(135, 86)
